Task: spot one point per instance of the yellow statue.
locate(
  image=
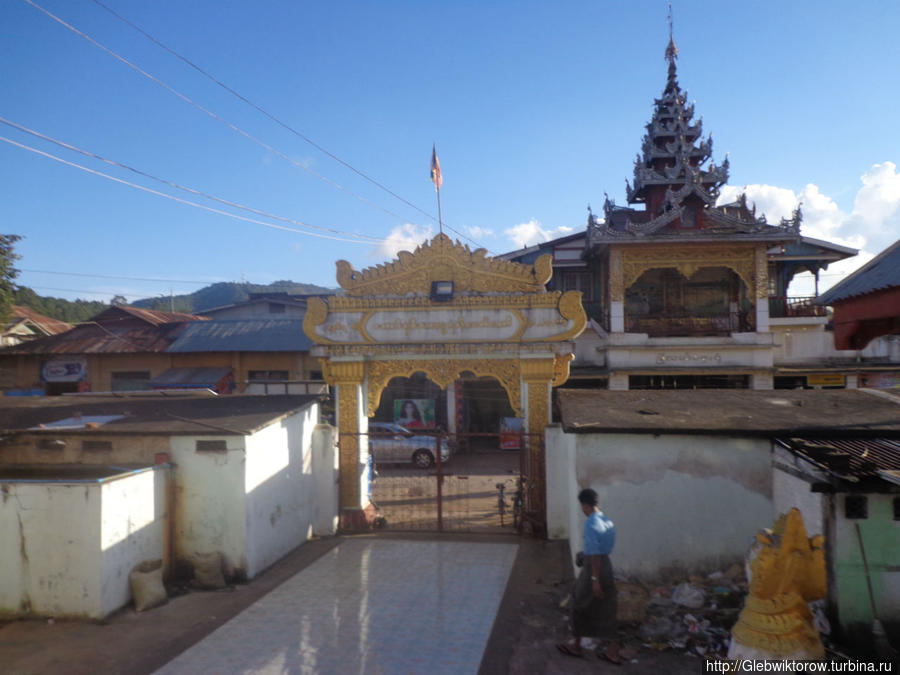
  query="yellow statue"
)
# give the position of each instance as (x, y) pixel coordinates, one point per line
(787, 573)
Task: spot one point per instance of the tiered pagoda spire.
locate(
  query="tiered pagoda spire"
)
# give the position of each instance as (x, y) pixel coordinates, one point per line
(674, 177)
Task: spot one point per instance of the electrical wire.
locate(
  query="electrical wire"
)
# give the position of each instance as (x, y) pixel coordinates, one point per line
(216, 117)
(246, 134)
(109, 276)
(178, 199)
(177, 186)
(260, 109)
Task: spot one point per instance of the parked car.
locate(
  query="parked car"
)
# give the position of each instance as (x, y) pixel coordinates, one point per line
(392, 443)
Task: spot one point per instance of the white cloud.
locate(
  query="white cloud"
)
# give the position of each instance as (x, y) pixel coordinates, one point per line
(478, 232)
(402, 238)
(872, 226)
(532, 232)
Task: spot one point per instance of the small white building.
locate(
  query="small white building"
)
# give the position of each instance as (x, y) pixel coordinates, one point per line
(687, 475)
(92, 486)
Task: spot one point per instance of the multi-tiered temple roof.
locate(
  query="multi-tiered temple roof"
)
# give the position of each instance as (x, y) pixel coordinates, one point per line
(678, 184)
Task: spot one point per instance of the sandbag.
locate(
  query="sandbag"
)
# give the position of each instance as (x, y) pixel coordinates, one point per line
(208, 570)
(146, 585)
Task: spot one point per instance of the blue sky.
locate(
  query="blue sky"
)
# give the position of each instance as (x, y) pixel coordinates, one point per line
(537, 110)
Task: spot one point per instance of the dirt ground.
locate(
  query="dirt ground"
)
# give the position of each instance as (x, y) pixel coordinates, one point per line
(529, 624)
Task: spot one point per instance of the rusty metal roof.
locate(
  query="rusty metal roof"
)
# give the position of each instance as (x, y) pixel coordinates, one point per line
(45, 323)
(859, 457)
(117, 330)
(109, 338)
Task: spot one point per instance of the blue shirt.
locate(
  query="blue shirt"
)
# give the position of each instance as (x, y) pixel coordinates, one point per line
(599, 534)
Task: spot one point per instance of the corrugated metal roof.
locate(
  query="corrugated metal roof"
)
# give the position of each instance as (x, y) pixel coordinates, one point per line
(243, 335)
(182, 415)
(860, 457)
(48, 325)
(880, 273)
(110, 338)
(150, 316)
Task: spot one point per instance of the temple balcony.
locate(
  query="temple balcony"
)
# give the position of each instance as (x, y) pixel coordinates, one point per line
(786, 307)
(684, 324)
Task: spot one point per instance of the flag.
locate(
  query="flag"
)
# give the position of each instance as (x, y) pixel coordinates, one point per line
(436, 176)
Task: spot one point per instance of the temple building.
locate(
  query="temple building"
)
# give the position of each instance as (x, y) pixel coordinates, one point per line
(682, 292)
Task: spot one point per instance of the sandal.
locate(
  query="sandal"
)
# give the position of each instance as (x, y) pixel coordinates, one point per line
(568, 651)
(617, 661)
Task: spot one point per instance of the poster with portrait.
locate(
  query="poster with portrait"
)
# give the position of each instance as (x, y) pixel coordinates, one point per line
(414, 413)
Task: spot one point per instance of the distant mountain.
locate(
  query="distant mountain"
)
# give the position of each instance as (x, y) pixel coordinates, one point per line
(216, 295)
(225, 293)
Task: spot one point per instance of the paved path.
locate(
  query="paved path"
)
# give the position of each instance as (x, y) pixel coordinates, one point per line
(367, 606)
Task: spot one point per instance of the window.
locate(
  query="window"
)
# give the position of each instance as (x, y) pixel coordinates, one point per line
(856, 507)
(51, 444)
(315, 374)
(267, 375)
(96, 446)
(211, 446)
(579, 281)
(130, 380)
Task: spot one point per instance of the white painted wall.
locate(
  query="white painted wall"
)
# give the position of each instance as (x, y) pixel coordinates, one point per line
(68, 547)
(132, 530)
(280, 489)
(790, 490)
(211, 500)
(327, 479)
(680, 503)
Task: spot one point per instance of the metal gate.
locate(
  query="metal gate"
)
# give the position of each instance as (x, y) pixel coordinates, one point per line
(475, 485)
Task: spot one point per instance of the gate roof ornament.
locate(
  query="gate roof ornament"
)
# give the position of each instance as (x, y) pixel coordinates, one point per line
(442, 259)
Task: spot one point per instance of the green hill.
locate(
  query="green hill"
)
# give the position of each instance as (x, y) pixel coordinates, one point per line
(225, 293)
(216, 295)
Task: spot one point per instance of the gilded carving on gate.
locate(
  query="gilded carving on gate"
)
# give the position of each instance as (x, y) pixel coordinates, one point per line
(450, 261)
(443, 372)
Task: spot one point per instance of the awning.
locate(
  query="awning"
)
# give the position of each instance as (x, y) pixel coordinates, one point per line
(217, 379)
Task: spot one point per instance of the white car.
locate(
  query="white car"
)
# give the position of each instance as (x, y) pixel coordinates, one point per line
(392, 443)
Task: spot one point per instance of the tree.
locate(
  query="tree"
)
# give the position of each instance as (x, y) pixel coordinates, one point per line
(8, 273)
(118, 300)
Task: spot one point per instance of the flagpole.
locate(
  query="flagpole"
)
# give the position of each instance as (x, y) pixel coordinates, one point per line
(440, 221)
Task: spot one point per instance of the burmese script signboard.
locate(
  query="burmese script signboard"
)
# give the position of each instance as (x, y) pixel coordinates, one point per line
(445, 324)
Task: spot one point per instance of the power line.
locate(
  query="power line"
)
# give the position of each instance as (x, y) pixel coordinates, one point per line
(260, 109)
(216, 117)
(246, 134)
(190, 190)
(109, 276)
(177, 199)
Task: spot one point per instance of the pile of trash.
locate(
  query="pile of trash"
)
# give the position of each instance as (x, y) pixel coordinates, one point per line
(693, 617)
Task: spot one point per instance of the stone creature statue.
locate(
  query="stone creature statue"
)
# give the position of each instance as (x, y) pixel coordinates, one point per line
(787, 572)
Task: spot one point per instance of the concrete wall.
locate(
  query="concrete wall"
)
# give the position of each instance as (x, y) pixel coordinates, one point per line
(211, 500)
(680, 503)
(800, 343)
(69, 547)
(280, 489)
(326, 474)
(132, 529)
(791, 481)
(881, 539)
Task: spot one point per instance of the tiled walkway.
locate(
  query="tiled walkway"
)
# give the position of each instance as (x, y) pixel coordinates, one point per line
(368, 606)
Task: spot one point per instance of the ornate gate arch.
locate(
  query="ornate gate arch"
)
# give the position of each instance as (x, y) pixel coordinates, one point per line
(443, 310)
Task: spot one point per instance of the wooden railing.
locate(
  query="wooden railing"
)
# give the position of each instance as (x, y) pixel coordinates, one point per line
(798, 306)
(684, 325)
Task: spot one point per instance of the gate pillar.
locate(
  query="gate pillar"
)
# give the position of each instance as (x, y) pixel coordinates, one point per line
(348, 378)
